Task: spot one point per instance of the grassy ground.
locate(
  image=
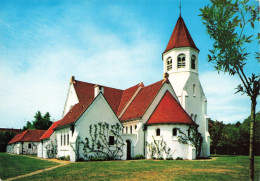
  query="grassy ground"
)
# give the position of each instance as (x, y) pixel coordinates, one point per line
(218, 168)
(14, 165)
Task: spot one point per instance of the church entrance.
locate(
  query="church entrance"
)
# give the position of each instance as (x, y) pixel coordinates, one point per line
(128, 151)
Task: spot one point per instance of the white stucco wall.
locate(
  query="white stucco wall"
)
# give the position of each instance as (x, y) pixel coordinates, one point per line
(184, 151)
(183, 81)
(64, 148)
(71, 99)
(98, 111)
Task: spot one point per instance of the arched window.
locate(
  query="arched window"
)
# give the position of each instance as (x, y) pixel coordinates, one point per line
(193, 61)
(60, 139)
(169, 63)
(131, 130)
(158, 132)
(126, 129)
(194, 89)
(181, 61)
(29, 145)
(174, 132)
(135, 127)
(195, 118)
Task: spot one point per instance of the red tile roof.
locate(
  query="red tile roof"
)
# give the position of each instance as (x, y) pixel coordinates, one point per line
(85, 93)
(142, 101)
(28, 136)
(127, 95)
(116, 98)
(180, 37)
(49, 132)
(169, 111)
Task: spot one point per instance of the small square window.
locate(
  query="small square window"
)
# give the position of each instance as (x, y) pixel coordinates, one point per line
(111, 140)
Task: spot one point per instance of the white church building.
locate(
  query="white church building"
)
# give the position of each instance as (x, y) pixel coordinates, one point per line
(100, 121)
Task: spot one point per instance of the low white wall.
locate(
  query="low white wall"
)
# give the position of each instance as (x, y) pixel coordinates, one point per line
(177, 149)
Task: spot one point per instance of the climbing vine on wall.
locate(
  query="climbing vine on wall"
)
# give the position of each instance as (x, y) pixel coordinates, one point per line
(75, 147)
(157, 148)
(104, 142)
(194, 138)
(31, 150)
(51, 149)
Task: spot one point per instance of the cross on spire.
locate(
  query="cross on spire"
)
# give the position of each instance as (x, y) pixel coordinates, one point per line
(180, 7)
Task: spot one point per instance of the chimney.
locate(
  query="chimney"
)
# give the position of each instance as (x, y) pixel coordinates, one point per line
(165, 75)
(98, 89)
(72, 80)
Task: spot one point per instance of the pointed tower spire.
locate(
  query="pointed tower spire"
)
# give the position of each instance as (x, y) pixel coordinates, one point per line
(180, 37)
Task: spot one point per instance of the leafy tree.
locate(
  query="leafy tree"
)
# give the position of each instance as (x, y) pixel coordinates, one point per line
(5, 137)
(215, 131)
(225, 21)
(40, 122)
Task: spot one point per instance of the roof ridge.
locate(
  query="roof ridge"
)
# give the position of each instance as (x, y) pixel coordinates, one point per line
(97, 84)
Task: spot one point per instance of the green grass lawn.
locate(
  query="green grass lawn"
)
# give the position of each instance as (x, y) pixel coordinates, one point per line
(219, 168)
(15, 165)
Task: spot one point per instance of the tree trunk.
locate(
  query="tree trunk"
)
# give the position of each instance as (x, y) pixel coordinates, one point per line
(251, 147)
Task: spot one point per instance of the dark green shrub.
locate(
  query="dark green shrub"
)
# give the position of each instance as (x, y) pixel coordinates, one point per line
(169, 158)
(160, 158)
(179, 158)
(61, 158)
(138, 157)
(67, 158)
(154, 157)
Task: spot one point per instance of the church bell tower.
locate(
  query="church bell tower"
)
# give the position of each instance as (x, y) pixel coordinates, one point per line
(180, 61)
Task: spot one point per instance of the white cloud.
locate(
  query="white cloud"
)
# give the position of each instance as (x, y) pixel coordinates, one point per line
(223, 103)
(43, 85)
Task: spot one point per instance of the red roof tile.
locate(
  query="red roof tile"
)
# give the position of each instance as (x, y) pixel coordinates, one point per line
(142, 101)
(127, 95)
(180, 37)
(169, 111)
(49, 132)
(28, 136)
(85, 93)
(17, 137)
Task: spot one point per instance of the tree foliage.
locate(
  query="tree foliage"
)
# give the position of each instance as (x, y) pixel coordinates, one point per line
(5, 137)
(233, 138)
(215, 131)
(226, 21)
(40, 122)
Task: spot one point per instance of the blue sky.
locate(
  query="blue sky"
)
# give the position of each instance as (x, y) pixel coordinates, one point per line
(113, 43)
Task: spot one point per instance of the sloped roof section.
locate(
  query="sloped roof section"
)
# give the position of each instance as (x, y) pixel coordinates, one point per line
(17, 137)
(169, 111)
(127, 95)
(142, 101)
(28, 136)
(85, 93)
(180, 37)
(49, 132)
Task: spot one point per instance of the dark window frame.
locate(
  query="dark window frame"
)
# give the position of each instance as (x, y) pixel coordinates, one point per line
(111, 140)
(158, 132)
